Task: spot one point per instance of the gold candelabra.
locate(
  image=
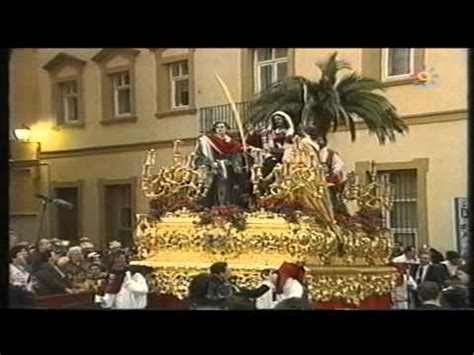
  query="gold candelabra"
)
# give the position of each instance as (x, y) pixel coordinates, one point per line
(377, 194)
(299, 179)
(177, 182)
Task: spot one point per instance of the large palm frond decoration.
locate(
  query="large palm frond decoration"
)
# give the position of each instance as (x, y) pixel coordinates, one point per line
(330, 101)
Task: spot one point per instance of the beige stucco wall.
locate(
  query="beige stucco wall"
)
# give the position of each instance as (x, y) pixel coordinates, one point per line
(146, 129)
(449, 92)
(226, 63)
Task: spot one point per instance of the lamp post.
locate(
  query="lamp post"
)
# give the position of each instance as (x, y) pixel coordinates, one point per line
(23, 134)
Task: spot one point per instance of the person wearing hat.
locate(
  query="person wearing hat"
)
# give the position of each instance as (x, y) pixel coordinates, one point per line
(114, 245)
(290, 282)
(87, 247)
(60, 246)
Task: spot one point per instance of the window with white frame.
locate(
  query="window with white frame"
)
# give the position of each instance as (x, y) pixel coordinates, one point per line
(398, 63)
(69, 101)
(122, 91)
(179, 77)
(402, 219)
(271, 66)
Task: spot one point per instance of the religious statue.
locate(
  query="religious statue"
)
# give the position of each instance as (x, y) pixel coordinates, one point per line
(275, 139)
(332, 165)
(223, 161)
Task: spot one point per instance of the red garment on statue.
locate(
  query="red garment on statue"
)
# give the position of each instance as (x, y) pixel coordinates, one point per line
(225, 147)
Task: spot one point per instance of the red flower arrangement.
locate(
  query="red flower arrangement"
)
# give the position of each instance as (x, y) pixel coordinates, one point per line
(218, 214)
(288, 209)
(369, 220)
(159, 207)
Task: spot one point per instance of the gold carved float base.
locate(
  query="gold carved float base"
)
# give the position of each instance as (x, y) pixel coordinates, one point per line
(350, 284)
(350, 266)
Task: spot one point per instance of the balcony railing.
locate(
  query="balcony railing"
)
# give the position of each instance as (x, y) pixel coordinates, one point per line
(212, 114)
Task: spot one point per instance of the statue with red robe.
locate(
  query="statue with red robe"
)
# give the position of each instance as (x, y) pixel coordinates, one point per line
(222, 157)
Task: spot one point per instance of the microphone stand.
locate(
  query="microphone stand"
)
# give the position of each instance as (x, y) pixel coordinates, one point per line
(44, 204)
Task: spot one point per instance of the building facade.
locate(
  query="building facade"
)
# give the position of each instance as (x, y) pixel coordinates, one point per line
(93, 113)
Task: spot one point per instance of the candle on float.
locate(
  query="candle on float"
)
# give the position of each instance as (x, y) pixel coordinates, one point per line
(176, 146)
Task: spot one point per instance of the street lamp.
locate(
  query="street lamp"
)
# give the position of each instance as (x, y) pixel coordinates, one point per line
(23, 134)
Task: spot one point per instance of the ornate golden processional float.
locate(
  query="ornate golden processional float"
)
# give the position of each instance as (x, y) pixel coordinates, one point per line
(291, 220)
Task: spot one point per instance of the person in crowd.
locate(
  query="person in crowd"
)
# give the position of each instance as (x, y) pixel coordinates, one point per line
(215, 291)
(219, 290)
(452, 262)
(95, 278)
(51, 279)
(427, 271)
(429, 295)
(87, 248)
(75, 269)
(402, 292)
(93, 258)
(290, 282)
(84, 240)
(198, 291)
(124, 288)
(408, 256)
(113, 247)
(21, 286)
(61, 247)
(463, 274)
(436, 256)
(41, 254)
(456, 296)
(397, 250)
(269, 280)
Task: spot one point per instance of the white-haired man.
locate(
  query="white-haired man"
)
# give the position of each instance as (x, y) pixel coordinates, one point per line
(75, 268)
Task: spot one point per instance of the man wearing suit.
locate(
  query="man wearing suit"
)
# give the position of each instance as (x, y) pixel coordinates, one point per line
(51, 280)
(427, 271)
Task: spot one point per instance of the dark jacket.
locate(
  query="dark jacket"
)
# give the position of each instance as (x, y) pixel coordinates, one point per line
(36, 260)
(218, 291)
(455, 298)
(435, 273)
(18, 297)
(50, 281)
